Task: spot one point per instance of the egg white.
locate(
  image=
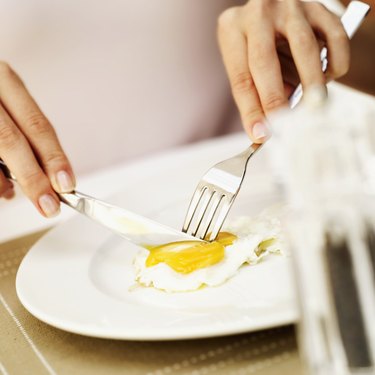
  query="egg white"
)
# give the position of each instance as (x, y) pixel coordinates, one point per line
(250, 232)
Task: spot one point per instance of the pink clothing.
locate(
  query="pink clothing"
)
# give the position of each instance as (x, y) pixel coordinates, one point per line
(121, 78)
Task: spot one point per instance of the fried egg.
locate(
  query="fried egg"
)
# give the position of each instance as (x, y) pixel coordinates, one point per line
(190, 265)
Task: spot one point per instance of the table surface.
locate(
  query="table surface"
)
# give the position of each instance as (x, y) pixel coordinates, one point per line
(28, 346)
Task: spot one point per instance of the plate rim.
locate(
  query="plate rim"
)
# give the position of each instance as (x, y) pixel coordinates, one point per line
(286, 317)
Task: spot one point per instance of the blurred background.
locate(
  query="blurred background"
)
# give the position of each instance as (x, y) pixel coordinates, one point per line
(119, 80)
(122, 78)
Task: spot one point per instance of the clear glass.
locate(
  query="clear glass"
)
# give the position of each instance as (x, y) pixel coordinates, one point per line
(323, 156)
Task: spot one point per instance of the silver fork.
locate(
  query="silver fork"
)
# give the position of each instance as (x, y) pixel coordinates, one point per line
(218, 188)
(215, 194)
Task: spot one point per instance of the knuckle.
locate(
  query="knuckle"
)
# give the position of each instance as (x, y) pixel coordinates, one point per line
(316, 6)
(56, 158)
(9, 136)
(304, 38)
(38, 124)
(292, 18)
(228, 18)
(259, 7)
(252, 113)
(260, 54)
(273, 101)
(34, 183)
(31, 180)
(242, 82)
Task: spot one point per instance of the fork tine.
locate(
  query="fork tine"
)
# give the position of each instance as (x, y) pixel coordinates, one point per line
(203, 207)
(225, 177)
(199, 191)
(218, 221)
(204, 226)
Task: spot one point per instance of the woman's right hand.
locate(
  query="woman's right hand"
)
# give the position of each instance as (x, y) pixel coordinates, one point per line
(268, 46)
(30, 148)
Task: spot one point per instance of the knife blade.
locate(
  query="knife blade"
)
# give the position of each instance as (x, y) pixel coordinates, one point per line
(135, 228)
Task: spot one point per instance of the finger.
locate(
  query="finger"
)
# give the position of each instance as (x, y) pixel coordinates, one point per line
(37, 129)
(18, 155)
(337, 41)
(264, 65)
(9, 194)
(233, 47)
(5, 184)
(303, 45)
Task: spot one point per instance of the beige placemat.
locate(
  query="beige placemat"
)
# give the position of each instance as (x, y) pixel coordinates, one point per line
(28, 346)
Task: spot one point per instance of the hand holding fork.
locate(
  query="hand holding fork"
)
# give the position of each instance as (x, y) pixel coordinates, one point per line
(218, 188)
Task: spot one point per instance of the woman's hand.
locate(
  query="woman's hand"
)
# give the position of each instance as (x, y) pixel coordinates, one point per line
(30, 148)
(268, 46)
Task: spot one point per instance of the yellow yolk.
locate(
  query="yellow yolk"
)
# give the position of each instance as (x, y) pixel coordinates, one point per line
(262, 247)
(188, 256)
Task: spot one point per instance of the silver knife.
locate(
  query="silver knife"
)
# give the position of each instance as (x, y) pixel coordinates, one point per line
(134, 228)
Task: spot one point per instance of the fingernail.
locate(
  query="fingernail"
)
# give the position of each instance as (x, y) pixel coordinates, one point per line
(64, 181)
(48, 205)
(259, 131)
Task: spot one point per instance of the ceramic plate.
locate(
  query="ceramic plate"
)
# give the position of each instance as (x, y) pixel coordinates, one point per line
(79, 277)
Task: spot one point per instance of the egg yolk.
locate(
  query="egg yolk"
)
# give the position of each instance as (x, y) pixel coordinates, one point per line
(264, 245)
(188, 256)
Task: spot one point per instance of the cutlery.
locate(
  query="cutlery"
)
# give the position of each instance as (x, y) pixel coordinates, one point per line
(218, 188)
(134, 228)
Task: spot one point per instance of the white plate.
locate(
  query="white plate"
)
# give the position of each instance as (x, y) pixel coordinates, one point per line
(77, 278)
